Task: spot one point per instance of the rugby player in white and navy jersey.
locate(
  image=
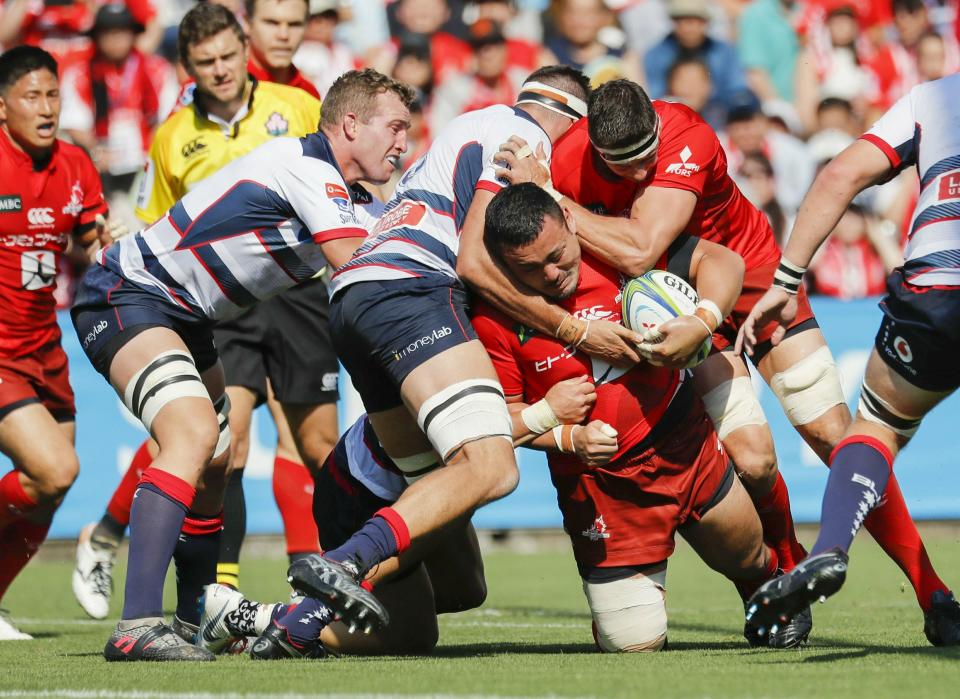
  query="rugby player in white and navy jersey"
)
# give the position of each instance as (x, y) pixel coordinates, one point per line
(144, 314)
(400, 325)
(913, 363)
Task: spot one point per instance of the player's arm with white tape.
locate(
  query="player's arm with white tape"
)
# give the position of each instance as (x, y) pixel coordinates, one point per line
(717, 275)
(567, 402)
(860, 165)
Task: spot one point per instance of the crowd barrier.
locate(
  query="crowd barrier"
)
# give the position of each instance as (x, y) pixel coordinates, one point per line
(928, 470)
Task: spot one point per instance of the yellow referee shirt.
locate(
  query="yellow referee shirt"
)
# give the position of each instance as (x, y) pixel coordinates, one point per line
(191, 145)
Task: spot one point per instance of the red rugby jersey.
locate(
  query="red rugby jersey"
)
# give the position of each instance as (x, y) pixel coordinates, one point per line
(689, 157)
(39, 210)
(296, 79)
(529, 363)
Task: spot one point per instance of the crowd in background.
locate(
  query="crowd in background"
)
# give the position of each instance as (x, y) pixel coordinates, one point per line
(787, 84)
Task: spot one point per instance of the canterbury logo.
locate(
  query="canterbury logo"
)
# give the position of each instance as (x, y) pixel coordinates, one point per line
(192, 148)
(40, 217)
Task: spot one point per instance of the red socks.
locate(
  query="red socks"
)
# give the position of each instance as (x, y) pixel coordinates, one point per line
(18, 542)
(119, 505)
(893, 528)
(14, 501)
(747, 587)
(778, 529)
(293, 491)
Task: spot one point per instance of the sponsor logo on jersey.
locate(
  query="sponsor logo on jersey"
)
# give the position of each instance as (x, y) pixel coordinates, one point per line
(684, 168)
(192, 148)
(335, 191)
(276, 125)
(75, 205)
(408, 213)
(424, 341)
(10, 203)
(902, 348)
(38, 269)
(598, 531)
(96, 330)
(949, 186)
(40, 217)
(329, 381)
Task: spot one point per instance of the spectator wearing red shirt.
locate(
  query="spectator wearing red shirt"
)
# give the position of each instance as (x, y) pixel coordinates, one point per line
(51, 194)
(321, 57)
(277, 28)
(848, 266)
(493, 80)
(521, 52)
(111, 101)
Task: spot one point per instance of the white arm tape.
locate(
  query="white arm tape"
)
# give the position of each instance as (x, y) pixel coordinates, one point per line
(539, 417)
(712, 308)
(548, 188)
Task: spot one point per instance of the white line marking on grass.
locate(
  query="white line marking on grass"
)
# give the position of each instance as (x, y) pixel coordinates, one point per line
(65, 622)
(116, 694)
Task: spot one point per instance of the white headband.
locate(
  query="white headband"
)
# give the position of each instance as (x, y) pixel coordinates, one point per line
(635, 151)
(552, 98)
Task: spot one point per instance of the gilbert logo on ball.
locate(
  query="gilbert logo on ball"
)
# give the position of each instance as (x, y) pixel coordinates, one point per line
(656, 297)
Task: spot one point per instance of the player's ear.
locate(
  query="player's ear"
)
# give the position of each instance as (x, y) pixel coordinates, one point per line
(351, 125)
(569, 219)
(3, 106)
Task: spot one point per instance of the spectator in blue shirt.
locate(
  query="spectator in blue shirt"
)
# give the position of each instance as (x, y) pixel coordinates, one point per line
(689, 40)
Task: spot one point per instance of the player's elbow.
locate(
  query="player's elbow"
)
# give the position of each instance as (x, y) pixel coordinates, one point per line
(470, 270)
(635, 262)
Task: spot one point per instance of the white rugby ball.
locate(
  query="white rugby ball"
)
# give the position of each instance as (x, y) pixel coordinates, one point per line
(655, 298)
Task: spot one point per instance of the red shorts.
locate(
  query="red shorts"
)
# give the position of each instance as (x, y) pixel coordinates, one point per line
(40, 377)
(756, 281)
(626, 513)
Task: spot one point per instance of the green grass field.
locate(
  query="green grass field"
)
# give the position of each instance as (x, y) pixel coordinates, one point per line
(531, 638)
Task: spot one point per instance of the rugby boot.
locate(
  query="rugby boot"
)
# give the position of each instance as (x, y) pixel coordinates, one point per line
(184, 629)
(218, 602)
(941, 625)
(791, 635)
(92, 580)
(336, 586)
(276, 644)
(773, 607)
(151, 639)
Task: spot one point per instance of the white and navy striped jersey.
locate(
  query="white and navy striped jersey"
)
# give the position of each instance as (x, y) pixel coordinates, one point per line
(923, 129)
(419, 233)
(247, 232)
(359, 451)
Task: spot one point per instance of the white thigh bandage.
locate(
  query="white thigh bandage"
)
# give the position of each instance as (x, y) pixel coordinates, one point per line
(464, 412)
(873, 408)
(222, 406)
(732, 405)
(417, 466)
(629, 615)
(169, 376)
(809, 388)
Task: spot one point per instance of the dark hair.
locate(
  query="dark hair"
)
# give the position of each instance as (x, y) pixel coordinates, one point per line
(834, 103)
(514, 217)
(688, 60)
(251, 5)
(910, 6)
(202, 22)
(564, 78)
(19, 61)
(621, 115)
(356, 91)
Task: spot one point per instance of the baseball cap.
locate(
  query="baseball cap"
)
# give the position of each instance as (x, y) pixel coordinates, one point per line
(114, 15)
(688, 8)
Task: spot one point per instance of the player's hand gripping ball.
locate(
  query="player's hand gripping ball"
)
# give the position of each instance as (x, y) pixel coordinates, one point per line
(655, 298)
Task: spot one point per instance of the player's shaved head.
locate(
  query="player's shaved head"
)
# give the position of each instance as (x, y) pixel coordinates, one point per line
(356, 91)
(621, 115)
(514, 217)
(20, 61)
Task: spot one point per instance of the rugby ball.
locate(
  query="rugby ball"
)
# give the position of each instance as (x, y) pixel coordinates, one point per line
(655, 298)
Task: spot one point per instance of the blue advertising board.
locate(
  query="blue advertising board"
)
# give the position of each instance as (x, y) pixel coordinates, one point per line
(928, 469)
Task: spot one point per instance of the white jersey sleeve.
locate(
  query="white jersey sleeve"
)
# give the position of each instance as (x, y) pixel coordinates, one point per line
(500, 133)
(321, 199)
(896, 133)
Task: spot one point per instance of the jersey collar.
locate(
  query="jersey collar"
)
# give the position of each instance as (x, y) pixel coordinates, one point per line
(524, 115)
(229, 128)
(317, 145)
(21, 158)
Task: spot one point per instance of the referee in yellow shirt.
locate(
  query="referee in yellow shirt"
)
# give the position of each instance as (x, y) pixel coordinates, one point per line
(282, 344)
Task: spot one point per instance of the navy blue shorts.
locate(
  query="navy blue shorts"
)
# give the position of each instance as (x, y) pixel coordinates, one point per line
(919, 337)
(109, 311)
(383, 330)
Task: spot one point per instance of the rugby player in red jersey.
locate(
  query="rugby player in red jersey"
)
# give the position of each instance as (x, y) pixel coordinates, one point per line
(50, 193)
(653, 171)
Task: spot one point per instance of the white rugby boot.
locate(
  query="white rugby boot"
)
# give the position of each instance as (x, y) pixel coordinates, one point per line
(93, 576)
(9, 632)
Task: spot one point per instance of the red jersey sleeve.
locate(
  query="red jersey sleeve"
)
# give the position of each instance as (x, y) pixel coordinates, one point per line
(685, 157)
(498, 341)
(93, 200)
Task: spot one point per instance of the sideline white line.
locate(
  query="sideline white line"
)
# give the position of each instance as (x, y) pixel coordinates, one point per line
(116, 694)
